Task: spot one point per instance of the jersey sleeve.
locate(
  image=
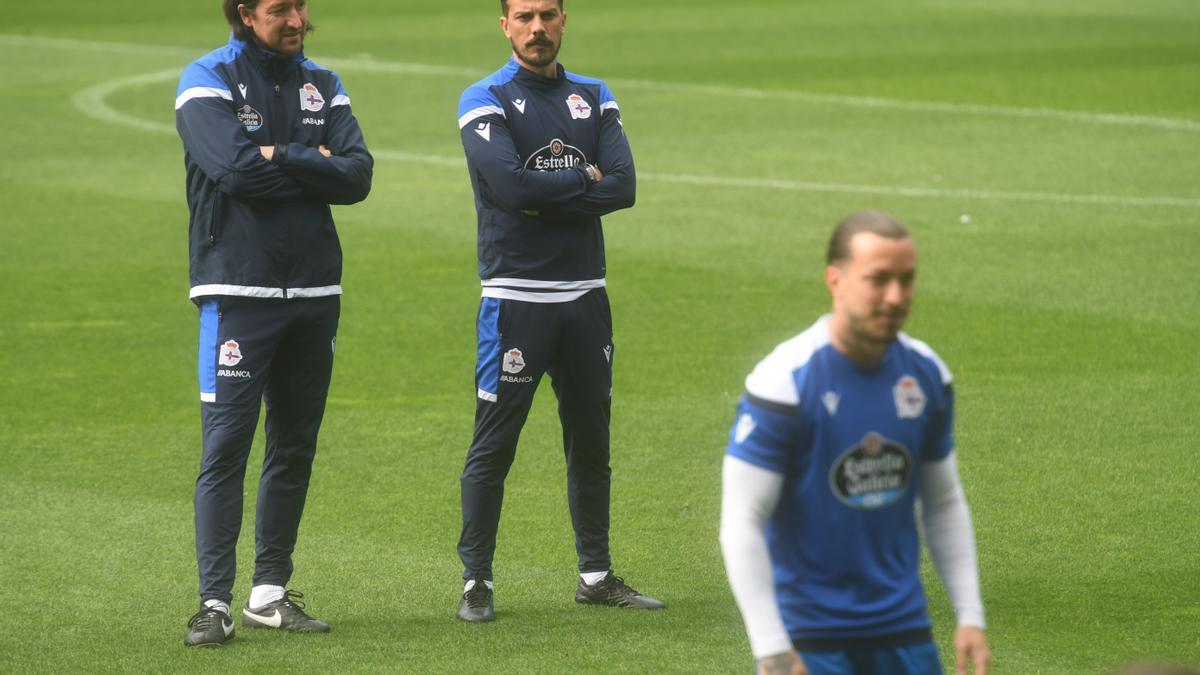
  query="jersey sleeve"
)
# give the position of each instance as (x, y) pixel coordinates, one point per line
(492, 157)
(941, 428)
(618, 189)
(218, 144)
(768, 425)
(344, 178)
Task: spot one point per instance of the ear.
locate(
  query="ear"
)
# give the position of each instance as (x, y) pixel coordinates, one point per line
(504, 25)
(246, 14)
(833, 275)
(564, 28)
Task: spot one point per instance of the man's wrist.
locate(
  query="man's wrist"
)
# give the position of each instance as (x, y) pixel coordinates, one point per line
(592, 174)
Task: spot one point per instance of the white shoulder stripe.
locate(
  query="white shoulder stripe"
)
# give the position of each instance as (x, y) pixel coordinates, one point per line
(927, 351)
(475, 114)
(610, 105)
(340, 99)
(773, 379)
(202, 92)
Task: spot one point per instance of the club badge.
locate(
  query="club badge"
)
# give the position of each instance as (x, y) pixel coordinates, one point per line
(514, 361)
(910, 400)
(580, 110)
(310, 98)
(231, 354)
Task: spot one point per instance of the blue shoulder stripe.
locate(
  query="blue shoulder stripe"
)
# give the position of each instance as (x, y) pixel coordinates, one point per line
(606, 95)
(479, 95)
(337, 79)
(202, 71)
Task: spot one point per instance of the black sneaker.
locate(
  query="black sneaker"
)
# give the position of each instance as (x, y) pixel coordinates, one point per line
(286, 613)
(612, 591)
(210, 627)
(476, 604)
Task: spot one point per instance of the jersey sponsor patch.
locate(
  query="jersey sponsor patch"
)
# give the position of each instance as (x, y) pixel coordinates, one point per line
(580, 110)
(310, 98)
(557, 156)
(250, 118)
(514, 361)
(231, 354)
(910, 400)
(872, 474)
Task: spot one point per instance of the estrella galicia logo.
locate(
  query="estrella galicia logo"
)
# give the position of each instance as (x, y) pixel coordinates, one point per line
(872, 474)
(250, 118)
(557, 156)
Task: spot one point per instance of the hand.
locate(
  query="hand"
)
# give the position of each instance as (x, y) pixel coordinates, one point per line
(787, 663)
(970, 642)
(324, 151)
(596, 173)
(267, 151)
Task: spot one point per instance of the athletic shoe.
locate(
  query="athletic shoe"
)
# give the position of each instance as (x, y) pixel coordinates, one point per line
(286, 613)
(210, 627)
(612, 591)
(476, 604)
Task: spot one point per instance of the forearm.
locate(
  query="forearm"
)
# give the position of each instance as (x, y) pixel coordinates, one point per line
(749, 495)
(950, 538)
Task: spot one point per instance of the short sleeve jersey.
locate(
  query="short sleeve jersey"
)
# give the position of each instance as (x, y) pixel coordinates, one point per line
(849, 442)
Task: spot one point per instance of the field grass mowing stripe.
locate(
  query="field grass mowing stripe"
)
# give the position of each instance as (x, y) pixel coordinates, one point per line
(875, 102)
(92, 102)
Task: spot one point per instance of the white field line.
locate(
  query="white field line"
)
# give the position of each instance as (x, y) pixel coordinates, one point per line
(92, 102)
(370, 65)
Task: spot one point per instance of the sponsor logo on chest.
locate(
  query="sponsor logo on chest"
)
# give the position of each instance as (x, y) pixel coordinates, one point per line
(557, 156)
(250, 118)
(872, 474)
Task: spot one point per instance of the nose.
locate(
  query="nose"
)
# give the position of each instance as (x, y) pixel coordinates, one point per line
(893, 294)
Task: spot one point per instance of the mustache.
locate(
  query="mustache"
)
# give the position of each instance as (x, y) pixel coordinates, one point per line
(539, 42)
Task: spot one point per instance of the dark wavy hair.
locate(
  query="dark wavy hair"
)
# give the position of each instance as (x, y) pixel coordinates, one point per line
(240, 30)
(504, 6)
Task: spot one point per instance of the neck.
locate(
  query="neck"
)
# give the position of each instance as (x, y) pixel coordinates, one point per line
(549, 70)
(865, 353)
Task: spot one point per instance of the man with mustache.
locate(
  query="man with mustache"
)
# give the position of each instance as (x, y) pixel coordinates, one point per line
(269, 143)
(547, 156)
(841, 431)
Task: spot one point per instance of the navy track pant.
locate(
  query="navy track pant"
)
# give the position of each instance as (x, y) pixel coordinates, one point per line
(251, 349)
(518, 342)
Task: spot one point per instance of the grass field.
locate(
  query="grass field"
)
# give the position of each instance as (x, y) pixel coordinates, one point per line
(1067, 305)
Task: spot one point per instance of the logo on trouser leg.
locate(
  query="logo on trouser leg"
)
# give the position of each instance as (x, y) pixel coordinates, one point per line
(608, 353)
(333, 344)
(514, 361)
(231, 354)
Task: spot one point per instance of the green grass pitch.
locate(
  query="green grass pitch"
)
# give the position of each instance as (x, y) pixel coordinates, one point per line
(1067, 303)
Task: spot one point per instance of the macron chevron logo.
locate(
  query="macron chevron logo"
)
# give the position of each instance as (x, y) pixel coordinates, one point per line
(242, 88)
(485, 131)
(520, 103)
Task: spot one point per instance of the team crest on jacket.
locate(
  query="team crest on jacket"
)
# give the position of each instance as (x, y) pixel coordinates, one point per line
(580, 110)
(250, 118)
(231, 354)
(910, 400)
(310, 98)
(514, 361)
(557, 156)
(872, 474)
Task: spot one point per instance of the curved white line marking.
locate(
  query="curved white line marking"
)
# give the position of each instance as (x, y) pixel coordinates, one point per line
(371, 65)
(93, 103)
